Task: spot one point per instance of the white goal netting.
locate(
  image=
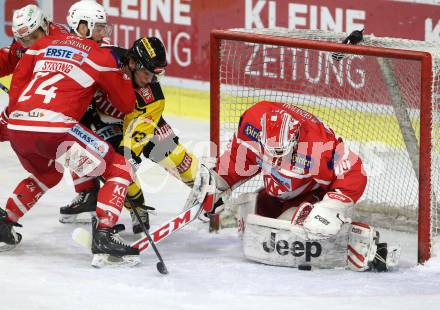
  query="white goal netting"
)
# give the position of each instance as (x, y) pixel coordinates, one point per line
(372, 102)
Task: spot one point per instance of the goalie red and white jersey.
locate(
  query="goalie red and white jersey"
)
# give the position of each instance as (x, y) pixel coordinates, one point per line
(9, 57)
(55, 82)
(322, 160)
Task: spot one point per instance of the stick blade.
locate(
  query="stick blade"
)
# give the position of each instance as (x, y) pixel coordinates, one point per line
(82, 237)
(162, 268)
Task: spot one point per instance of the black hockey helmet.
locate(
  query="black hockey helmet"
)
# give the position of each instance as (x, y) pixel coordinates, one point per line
(149, 53)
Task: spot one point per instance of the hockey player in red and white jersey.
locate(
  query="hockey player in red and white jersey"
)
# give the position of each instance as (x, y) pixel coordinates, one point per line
(29, 24)
(50, 92)
(94, 16)
(311, 181)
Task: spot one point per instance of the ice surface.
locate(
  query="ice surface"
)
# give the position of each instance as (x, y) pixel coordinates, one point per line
(207, 271)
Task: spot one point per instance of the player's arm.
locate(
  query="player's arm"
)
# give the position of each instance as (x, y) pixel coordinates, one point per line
(23, 74)
(9, 59)
(165, 149)
(233, 168)
(117, 84)
(341, 174)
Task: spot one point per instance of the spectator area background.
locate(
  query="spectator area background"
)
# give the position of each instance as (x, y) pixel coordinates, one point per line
(184, 27)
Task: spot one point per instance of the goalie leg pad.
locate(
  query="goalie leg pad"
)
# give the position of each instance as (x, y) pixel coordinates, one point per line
(362, 246)
(365, 253)
(279, 243)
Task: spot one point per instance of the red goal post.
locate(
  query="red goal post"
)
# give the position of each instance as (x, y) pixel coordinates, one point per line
(231, 51)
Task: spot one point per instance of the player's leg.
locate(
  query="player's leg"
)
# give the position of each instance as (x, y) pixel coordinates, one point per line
(83, 206)
(163, 148)
(90, 155)
(44, 176)
(276, 241)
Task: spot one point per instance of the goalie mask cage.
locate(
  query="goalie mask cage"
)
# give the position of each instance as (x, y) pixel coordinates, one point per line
(380, 96)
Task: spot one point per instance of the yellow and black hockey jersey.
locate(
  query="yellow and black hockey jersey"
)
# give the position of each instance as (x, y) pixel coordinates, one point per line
(146, 132)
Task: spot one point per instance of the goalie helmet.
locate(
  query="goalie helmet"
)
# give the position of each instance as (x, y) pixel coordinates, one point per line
(27, 20)
(88, 11)
(279, 133)
(149, 53)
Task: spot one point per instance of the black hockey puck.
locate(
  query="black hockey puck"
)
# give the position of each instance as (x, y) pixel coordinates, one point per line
(305, 267)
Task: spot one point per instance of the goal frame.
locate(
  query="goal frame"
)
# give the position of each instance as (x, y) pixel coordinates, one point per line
(424, 210)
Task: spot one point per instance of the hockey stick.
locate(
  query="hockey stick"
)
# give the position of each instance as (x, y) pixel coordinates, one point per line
(170, 227)
(192, 210)
(160, 265)
(4, 88)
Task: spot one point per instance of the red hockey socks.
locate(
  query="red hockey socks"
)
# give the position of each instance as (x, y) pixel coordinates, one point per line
(25, 195)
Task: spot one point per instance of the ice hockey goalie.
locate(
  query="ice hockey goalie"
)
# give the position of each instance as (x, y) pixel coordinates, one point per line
(312, 180)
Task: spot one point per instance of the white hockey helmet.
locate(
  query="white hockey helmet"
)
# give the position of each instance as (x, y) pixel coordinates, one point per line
(89, 11)
(27, 20)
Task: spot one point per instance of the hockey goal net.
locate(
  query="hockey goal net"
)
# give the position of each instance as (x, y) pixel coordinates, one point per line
(380, 96)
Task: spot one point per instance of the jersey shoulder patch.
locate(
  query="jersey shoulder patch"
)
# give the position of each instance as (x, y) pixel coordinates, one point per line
(151, 93)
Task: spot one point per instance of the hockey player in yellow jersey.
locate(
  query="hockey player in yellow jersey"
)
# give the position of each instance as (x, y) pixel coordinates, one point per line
(141, 133)
(145, 130)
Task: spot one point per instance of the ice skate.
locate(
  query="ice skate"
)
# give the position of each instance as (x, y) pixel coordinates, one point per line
(81, 209)
(110, 250)
(144, 212)
(9, 239)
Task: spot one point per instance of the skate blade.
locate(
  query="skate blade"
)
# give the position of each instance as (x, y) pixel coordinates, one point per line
(81, 218)
(7, 247)
(107, 260)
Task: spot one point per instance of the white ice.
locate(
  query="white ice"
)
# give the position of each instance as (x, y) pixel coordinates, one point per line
(207, 271)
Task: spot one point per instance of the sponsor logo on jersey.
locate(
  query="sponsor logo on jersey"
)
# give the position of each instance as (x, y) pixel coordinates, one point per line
(147, 94)
(36, 114)
(55, 66)
(252, 132)
(301, 112)
(185, 164)
(162, 132)
(90, 140)
(309, 249)
(302, 161)
(65, 52)
(109, 132)
(73, 40)
(148, 47)
(16, 115)
(284, 181)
